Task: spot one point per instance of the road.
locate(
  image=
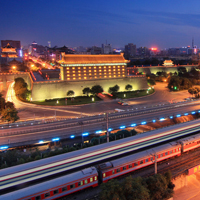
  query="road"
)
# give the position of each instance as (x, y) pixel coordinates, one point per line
(31, 111)
(66, 128)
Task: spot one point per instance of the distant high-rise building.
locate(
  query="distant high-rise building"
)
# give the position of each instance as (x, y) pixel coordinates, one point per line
(174, 51)
(96, 50)
(130, 50)
(192, 42)
(49, 44)
(106, 48)
(183, 50)
(143, 51)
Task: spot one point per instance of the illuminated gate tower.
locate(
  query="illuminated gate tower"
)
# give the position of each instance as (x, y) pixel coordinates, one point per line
(8, 51)
(91, 67)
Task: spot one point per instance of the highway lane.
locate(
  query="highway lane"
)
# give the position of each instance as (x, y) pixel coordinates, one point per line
(63, 129)
(13, 176)
(74, 121)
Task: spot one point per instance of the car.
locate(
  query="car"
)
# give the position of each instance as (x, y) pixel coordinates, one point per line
(123, 103)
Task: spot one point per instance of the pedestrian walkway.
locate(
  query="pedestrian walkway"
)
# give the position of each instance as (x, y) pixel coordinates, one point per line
(191, 191)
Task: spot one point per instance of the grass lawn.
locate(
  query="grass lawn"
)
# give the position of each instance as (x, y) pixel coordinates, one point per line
(133, 94)
(70, 101)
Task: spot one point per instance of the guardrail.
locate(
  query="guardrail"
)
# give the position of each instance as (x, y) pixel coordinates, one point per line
(102, 118)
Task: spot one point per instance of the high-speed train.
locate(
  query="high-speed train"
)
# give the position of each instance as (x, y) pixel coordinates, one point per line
(93, 176)
(22, 174)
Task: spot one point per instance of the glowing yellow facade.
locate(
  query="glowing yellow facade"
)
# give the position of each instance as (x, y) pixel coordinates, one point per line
(8, 51)
(89, 67)
(168, 63)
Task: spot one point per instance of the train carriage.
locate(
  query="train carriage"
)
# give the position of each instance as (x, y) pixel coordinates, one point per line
(190, 143)
(136, 161)
(58, 187)
(13, 176)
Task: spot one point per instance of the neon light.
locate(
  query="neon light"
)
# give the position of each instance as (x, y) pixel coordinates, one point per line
(98, 131)
(3, 147)
(186, 114)
(20, 53)
(72, 136)
(122, 127)
(153, 120)
(178, 115)
(110, 129)
(143, 123)
(41, 141)
(85, 134)
(162, 119)
(193, 112)
(55, 139)
(133, 125)
(171, 117)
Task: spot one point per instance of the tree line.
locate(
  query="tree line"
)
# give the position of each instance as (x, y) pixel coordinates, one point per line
(157, 187)
(7, 110)
(21, 89)
(98, 89)
(13, 157)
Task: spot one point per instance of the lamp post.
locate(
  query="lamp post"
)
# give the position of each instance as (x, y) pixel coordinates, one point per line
(107, 132)
(155, 162)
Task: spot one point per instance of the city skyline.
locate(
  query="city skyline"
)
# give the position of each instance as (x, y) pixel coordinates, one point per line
(90, 23)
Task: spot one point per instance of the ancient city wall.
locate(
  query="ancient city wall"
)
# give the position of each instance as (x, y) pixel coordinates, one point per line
(58, 89)
(5, 77)
(155, 69)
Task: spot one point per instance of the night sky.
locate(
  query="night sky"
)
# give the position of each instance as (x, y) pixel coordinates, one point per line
(155, 23)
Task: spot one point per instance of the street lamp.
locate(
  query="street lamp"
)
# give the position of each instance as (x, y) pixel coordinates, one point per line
(84, 135)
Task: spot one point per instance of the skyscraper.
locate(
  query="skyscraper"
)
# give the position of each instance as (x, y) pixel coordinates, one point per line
(130, 50)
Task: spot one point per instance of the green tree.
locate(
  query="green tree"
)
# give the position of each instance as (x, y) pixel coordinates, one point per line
(192, 91)
(86, 91)
(9, 115)
(174, 83)
(168, 177)
(96, 89)
(129, 87)
(113, 89)
(134, 189)
(151, 81)
(122, 133)
(70, 93)
(158, 187)
(111, 190)
(2, 103)
(185, 83)
(20, 88)
(9, 104)
(197, 92)
(133, 132)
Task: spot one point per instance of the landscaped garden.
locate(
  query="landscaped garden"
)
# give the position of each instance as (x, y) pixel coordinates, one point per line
(69, 101)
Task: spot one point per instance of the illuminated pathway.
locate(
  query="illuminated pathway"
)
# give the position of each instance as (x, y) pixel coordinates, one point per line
(37, 108)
